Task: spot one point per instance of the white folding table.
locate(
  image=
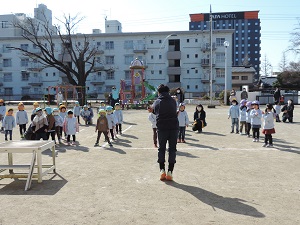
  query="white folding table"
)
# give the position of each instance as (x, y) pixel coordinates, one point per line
(35, 148)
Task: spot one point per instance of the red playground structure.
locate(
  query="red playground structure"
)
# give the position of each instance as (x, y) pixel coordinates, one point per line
(135, 92)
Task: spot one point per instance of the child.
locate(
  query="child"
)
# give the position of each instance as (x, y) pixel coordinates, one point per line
(40, 125)
(63, 114)
(92, 112)
(277, 109)
(76, 111)
(21, 118)
(58, 124)
(2, 112)
(35, 106)
(199, 118)
(268, 128)
(102, 127)
(183, 120)
(102, 105)
(248, 118)
(255, 115)
(51, 124)
(234, 113)
(152, 119)
(86, 114)
(70, 127)
(243, 116)
(288, 111)
(118, 117)
(9, 123)
(111, 120)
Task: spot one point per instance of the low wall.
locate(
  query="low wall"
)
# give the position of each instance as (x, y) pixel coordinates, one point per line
(202, 102)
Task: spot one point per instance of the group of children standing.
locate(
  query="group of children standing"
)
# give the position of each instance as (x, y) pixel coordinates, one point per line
(247, 115)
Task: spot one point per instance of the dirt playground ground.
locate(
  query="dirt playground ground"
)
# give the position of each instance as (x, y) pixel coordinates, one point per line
(219, 178)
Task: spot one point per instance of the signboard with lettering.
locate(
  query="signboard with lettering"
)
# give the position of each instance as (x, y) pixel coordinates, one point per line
(225, 16)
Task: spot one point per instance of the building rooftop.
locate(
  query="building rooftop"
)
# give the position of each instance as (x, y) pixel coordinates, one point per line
(242, 69)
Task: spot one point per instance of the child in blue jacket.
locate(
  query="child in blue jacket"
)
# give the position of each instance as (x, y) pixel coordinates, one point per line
(234, 113)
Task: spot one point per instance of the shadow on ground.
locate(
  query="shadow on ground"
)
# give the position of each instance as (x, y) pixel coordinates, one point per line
(47, 187)
(232, 205)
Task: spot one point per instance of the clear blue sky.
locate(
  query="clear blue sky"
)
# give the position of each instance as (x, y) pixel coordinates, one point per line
(278, 18)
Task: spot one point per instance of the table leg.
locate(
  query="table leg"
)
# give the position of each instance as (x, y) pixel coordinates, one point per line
(10, 161)
(40, 166)
(53, 157)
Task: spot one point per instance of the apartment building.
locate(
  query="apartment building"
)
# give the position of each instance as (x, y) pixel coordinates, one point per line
(176, 58)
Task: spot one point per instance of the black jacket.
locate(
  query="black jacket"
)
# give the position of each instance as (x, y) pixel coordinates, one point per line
(165, 109)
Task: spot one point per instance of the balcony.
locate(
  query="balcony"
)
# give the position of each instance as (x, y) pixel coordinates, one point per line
(96, 80)
(99, 50)
(206, 62)
(174, 70)
(98, 66)
(205, 78)
(174, 55)
(35, 81)
(140, 48)
(206, 47)
(64, 57)
(174, 84)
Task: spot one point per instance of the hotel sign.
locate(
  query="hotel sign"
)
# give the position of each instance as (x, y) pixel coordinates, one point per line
(225, 16)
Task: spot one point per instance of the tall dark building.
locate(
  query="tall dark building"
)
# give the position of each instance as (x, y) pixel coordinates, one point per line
(246, 38)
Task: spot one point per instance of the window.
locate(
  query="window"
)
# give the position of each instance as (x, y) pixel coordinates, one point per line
(7, 77)
(192, 26)
(25, 90)
(244, 77)
(235, 77)
(196, 40)
(46, 74)
(99, 73)
(78, 43)
(98, 43)
(151, 41)
(236, 38)
(188, 72)
(199, 26)
(54, 74)
(6, 48)
(159, 41)
(187, 40)
(152, 56)
(220, 72)
(196, 56)
(24, 47)
(196, 71)
(127, 75)
(110, 75)
(109, 60)
(128, 59)
(128, 44)
(25, 76)
(249, 38)
(249, 24)
(4, 24)
(159, 56)
(8, 91)
(109, 45)
(6, 62)
(24, 62)
(220, 41)
(187, 86)
(220, 57)
(160, 72)
(196, 86)
(188, 56)
(236, 31)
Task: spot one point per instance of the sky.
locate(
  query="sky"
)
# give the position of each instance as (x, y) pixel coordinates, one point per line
(278, 18)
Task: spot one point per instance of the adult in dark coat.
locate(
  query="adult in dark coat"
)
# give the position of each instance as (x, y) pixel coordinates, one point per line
(199, 118)
(277, 95)
(114, 97)
(288, 111)
(165, 109)
(179, 95)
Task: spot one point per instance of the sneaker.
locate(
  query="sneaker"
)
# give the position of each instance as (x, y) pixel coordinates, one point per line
(257, 139)
(237, 132)
(269, 145)
(169, 176)
(110, 144)
(96, 144)
(231, 132)
(22, 136)
(248, 135)
(264, 145)
(69, 143)
(6, 139)
(162, 174)
(254, 140)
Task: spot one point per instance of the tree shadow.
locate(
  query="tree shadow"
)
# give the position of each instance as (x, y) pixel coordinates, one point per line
(47, 187)
(232, 205)
(186, 154)
(117, 150)
(202, 146)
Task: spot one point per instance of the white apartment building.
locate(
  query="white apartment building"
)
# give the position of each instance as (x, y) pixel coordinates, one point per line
(176, 58)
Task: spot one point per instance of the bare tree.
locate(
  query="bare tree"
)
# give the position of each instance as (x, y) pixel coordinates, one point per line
(295, 40)
(266, 67)
(283, 63)
(77, 56)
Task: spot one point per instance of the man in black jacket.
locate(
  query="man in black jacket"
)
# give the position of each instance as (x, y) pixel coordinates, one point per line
(165, 110)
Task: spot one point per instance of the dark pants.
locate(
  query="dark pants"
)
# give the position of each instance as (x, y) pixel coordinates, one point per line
(78, 118)
(58, 132)
(155, 136)
(69, 138)
(248, 128)
(42, 135)
(105, 135)
(165, 136)
(119, 128)
(268, 138)
(235, 122)
(10, 134)
(22, 128)
(181, 133)
(255, 132)
(52, 135)
(290, 119)
(112, 133)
